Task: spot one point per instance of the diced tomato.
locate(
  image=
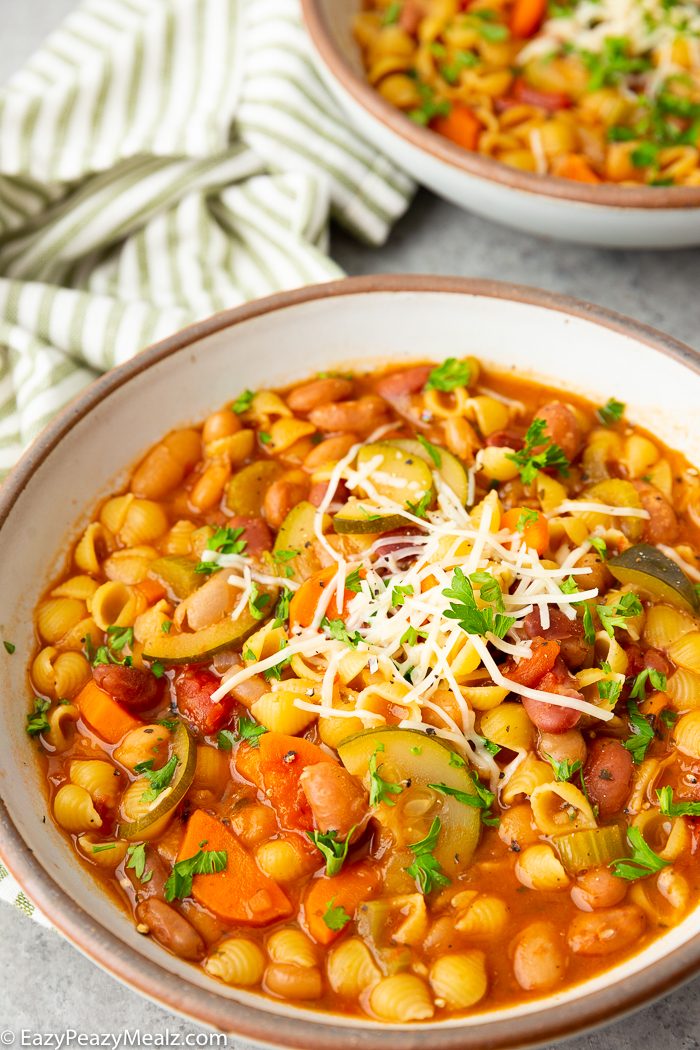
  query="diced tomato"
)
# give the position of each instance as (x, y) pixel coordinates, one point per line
(460, 126)
(193, 688)
(282, 761)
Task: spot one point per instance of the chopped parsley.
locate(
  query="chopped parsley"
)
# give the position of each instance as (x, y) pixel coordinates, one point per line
(282, 609)
(157, 668)
(588, 628)
(137, 861)
(380, 789)
(642, 734)
(529, 462)
(668, 717)
(563, 770)
(9, 647)
(617, 614)
(449, 375)
(612, 411)
(426, 869)
(456, 761)
(432, 450)
(286, 555)
(243, 402)
(420, 508)
(461, 60)
(250, 731)
(599, 545)
(165, 626)
(643, 861)
(609, 690)
(276, 670)
(335, 918)
(37, 721)
(527, 517)
(334, 851)
(568, 586)
(608, 67)
(483, 799)
(225, 739)
(227, 541)
(265, 438)
(411, 636)
(208, 862)
(389, 18)
(353, 582)
(657, 679)
(338, 630)
(669, 808)
(257, 602)
(465, 611)
(490, 745)
(119, 637)
(158, 779)
(399, 595)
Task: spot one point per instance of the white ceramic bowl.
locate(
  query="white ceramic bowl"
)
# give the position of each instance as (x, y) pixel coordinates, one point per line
(608, 215)
(87, 452)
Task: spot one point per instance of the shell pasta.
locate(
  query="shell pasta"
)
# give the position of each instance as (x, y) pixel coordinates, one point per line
(381, 694)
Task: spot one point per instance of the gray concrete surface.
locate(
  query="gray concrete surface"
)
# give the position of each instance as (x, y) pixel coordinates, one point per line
(45, 984)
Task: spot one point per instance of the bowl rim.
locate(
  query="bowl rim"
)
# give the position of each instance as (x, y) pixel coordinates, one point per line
(256, 1023)
(612, 195)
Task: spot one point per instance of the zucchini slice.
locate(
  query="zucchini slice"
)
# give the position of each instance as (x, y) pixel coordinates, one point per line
(245, 492)
(400, 476)
(450, 470)
(297, 534)
(409, 755)
(185, 747)
(656, 576)
(178, 573)
(198, 647)
(361, 517)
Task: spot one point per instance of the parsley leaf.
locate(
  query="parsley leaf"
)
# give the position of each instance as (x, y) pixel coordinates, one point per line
(399, 595)
(482, 800)
(420, 508)
(599, 545)
(282, 610)
(276, 670)
(380, 789)
(243, 402)
(657, 679)
(529, 462)
(165, 626)
(456, 761)
(285, 555)
(368, 513)
(265, 438)
(334, 851)
(608, 67)
(137, 861)
(250, 731)
(526, 518)
(335, 918)
(642, 862)
(610, 691)
(119, 637)
(642, 734)
(9, 647)
(588, 628)
(490, 746)
(225, 739)
(464, 609)
(619, 612)
(669, 718)
(158, 779)
(208, 862)
(411, 636)
(448, 376)
(432, 450)
(257, 602)
(226, 541)
(353, 582)
(563, 770)
(37, 721)
(426, 870)
(612, 411)
(338, 630)
(389, 18)
(669, 808)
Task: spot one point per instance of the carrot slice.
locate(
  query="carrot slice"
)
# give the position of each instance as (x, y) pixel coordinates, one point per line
(526, 17)
(152, 590)
(302, 607)
(576, 167)
(529, 672)
(105, 715)
(247, 763)
(534, 533)
(241, 892)
(354, 885)
(460, 126)
(282, 761)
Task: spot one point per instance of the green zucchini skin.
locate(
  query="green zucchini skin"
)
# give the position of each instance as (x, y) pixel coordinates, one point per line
(656, 576)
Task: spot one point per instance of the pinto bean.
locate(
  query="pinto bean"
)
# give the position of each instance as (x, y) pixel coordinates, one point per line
(221, 425)
(171, 929)
(539, 961)
(337, 799)
(562, 746)
(607, 930)
(607, 775)
(550, 718)
(319, 392)
(517, 828)
(193, 688)
(155, 875)
(282, 496)
(511, 438)
(134, 687)
(570, 634)
(562, 427)
(209, 603)
(361, 416)
(166, 465)
(651, 659)
(400, 384)
(598, 888)
(599, 576)
(256, 534)
(328, 451)
(320, 488)
(662, 526)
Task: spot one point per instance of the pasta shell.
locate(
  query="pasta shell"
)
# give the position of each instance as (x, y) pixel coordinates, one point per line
(106, 855)
(539, 869)
(57, 616)
(351, 969)
(100, 779)
(237, 961)
(292, 946)
(145, 521)
(401, 998)
(73, 809)
(72, 672)
(460, 979)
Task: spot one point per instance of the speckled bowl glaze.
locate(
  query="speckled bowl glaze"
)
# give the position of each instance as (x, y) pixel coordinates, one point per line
(608, 215)
(88, 451)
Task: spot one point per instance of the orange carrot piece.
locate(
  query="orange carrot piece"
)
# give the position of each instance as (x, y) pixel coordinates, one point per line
(247, 763)
(577, 168)
(529, 672)
(354, 885)
(282, 761)
(152, 590)
(460, 126)
(535, 533)
(526, 17)
(241, 892)
(302, 607)
(105, 715)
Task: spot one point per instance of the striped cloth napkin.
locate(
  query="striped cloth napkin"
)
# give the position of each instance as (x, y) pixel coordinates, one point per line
(161, 160)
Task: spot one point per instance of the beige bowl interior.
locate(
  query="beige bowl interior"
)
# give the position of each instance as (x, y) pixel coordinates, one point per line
(358, 325)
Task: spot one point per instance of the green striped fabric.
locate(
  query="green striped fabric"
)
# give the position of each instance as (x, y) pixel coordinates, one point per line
(161, 160)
